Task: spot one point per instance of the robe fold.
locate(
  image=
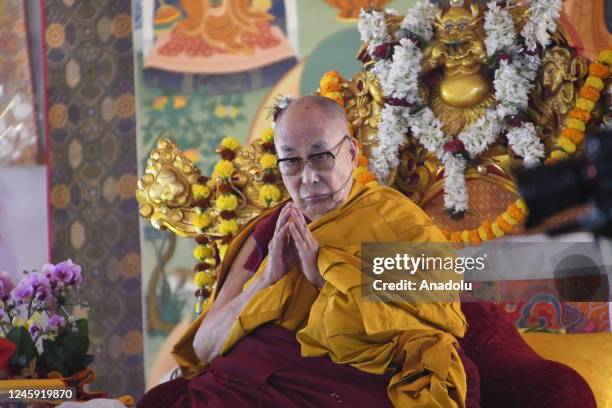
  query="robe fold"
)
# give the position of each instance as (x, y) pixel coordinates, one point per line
(414, 345)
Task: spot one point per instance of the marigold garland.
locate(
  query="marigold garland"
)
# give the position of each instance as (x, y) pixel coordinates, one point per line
(330, 87)
(201, 221)
(578, 118)
(224, 169)
(207, 252)
(200, 191)
(268, 161)
(228, 227)
(203, 279)
(230, 143)
(268, 135)
(571, 136)
(269, 194)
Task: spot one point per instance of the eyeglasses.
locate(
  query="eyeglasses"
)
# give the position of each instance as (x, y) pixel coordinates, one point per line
(292, 166)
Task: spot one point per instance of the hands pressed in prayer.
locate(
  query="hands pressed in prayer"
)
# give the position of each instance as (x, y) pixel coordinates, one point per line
(216, 325)
(306, 245)
(280, 251)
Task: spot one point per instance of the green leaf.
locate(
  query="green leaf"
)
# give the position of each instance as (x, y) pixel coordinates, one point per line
(83, 327)
(26, 350)
(52, 356)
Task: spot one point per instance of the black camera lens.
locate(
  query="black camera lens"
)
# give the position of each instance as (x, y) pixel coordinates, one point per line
(549, 189)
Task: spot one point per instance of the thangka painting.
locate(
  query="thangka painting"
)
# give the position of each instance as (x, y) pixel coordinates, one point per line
(225, 46)
(207, 69)
(18, 129)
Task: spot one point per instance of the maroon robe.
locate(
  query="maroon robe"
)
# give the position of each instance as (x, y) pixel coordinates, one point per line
(265, 369)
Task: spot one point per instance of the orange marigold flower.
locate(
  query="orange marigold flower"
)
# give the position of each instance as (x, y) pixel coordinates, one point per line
(362, 160)
(475, 237)
(516, 212)
(330, 87)
(574, 135)
(486, 226)
(365, 178)
(579, 114)
(590, 93)
(503, 224)
(455, 236)
(599, 70)
(335, 96)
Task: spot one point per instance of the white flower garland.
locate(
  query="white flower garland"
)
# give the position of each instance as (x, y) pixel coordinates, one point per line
(513, 82)
(372, 28)
(419, 19)
(394, 124)
(455, 190)
(525, 142)
(542, 21)
(500, 26)
(397, 79)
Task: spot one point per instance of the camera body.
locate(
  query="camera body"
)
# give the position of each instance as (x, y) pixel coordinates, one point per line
(585, 179)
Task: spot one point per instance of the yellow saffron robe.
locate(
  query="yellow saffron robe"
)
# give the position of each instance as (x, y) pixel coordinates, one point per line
(416, 342)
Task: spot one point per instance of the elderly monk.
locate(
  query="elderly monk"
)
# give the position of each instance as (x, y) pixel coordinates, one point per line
(286, 326)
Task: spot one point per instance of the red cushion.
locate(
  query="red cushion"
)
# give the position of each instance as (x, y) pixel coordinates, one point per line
(511, 373)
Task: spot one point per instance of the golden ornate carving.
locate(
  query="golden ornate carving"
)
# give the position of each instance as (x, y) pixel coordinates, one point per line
(464, 91)
(556, 90)
(164, 191)
(363, 108)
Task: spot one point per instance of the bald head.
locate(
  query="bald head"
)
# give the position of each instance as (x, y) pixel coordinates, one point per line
(313, 128)
(312, 116)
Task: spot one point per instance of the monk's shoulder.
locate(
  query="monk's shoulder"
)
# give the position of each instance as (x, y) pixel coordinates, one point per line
(401, 215)
(393, 207)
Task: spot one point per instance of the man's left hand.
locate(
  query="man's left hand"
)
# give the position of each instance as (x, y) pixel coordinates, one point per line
(307, 247)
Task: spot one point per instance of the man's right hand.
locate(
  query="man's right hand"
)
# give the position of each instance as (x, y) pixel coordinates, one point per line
(281, 252)
(216, 325)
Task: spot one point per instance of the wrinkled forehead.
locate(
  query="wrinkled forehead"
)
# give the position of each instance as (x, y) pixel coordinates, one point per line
(306, 133)
(295, 144)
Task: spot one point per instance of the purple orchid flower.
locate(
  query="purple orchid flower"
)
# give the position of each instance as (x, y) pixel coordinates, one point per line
(6, 285)
(33, 285)
(64, 273)
(34, 330)
(56, 322)
(23, 292)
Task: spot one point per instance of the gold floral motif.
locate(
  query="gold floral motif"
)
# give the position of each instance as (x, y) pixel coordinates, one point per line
(60, 196)
(122, 25)
(125, 105)
(58, 116)
(55, 35)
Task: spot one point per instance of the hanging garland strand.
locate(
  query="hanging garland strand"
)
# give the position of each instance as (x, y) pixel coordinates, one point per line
(514, 60)
(573, 132)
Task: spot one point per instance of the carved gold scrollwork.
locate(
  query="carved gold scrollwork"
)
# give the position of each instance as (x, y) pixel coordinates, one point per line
(164, 191)
(363, 108)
